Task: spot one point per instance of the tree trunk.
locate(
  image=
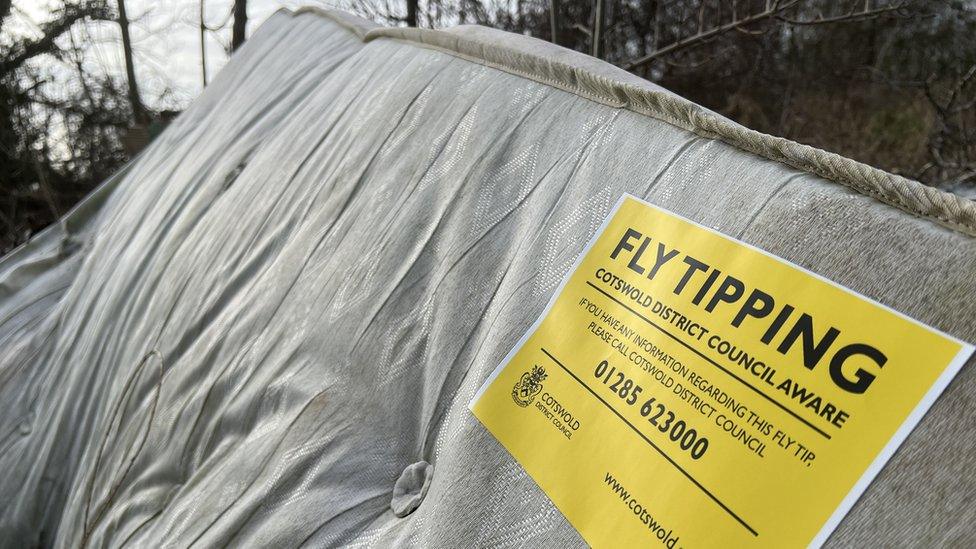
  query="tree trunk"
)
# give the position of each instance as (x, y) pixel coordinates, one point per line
(138, 112)
(554, 20)
(240, 24)
(203, 43)
(599, 20)
(412, 13)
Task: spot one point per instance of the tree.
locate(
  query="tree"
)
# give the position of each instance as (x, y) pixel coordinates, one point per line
(138, 111)
(952, 149)
(713, 20)
(844, 75)
(39, 182)
(599, 24)
(203, 41)
(240, 24)
(412, 6)
(888, 82)
(554, 14)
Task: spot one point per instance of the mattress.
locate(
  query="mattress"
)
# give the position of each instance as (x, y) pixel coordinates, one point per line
(266, 329)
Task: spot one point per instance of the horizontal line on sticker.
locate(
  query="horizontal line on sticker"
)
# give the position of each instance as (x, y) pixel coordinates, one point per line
(655, 446)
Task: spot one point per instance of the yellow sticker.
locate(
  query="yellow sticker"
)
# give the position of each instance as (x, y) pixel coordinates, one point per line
(684, 389)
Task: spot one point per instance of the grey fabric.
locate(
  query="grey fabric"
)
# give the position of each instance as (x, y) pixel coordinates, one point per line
(290, 297)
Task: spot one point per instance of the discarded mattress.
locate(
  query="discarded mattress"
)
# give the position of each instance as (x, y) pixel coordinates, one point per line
(266, 329)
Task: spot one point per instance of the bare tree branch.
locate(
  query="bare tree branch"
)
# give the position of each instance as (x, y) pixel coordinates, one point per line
(952, 148)
(18, 54)
(853, 16)
(773, 8)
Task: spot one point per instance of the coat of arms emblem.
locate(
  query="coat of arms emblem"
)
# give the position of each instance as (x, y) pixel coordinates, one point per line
(528, 386)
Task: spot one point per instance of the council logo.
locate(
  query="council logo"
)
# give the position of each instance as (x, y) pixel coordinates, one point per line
(528, 386)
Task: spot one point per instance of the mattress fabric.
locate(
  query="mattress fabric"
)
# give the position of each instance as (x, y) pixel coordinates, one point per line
(266, 329)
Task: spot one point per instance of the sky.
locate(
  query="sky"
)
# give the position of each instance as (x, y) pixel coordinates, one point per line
(166, 42)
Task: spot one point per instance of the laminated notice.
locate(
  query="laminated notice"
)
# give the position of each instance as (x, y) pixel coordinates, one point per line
(684, 389)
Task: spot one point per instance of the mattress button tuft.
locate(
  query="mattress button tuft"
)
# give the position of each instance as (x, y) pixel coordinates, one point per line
(411, 487)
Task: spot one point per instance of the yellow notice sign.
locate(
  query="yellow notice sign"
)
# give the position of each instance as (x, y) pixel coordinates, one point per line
(683, 389)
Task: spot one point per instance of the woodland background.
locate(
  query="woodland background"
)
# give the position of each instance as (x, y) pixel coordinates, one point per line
(85, 84)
